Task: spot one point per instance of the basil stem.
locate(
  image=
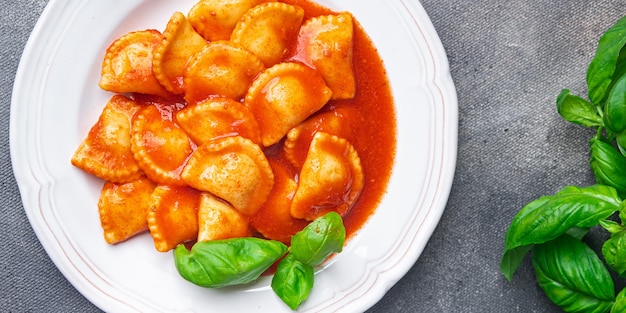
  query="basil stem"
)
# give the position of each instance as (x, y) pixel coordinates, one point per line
(573, 276)
(549, 217)
(227, 262)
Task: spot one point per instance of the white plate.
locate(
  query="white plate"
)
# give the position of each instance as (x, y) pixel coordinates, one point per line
(56, 99)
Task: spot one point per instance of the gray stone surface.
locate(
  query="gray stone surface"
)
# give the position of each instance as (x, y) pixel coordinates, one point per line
(508, 59)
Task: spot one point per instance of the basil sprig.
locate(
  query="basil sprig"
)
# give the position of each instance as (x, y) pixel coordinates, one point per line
(552, 227)
(236, 261)
(293, 280)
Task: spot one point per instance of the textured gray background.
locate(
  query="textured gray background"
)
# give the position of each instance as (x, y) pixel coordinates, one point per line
(508, 59)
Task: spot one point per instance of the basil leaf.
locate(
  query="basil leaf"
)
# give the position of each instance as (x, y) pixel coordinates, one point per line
(611, 226)
(549, 217)
(512, 259)
(620, 140)
(577, 110)
(620, 302)
(602, 68)
(220, 263)
(614, 252)
(293, 281)
(573, 276)
(608, 165)
(578, 232)
(615, 107)
(318, 240)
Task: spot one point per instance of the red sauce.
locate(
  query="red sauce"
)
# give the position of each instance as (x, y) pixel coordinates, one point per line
(372, 120)
(375, 128)
(372, 132)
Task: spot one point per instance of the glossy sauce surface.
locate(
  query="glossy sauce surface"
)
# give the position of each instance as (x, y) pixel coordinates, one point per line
(174, 216)
(372, 121)
(368, 123)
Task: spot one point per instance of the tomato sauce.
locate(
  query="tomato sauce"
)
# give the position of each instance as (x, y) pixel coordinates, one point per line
(372, 120)
(372, 129)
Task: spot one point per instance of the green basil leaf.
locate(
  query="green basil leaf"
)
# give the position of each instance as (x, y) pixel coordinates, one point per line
(512, 259)
(622, 211)
(620, 302)
(293, 281)
(573, 276)
(318, 240)
(602, 67)
(578, 232)
(620, 69)
(615, 107)
(620, 140)
(549, 217)
(614, 252)
(577, 110)
(608, 165)
(611, 226)
(220, 263)
(514, 253)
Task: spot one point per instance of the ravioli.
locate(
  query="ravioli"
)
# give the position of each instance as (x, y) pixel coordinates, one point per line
(218, 117)
(240, 119)
(159, 145)
(328, 45)
(123, 209)
(218, 220)
(234, 169)
(127, 64)
(181, 43)
(106, 152)
(338, 122)
(173, 216)
(268, 30)
(216, 19)
(221, 69)
(283, 96)
(331, 178)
